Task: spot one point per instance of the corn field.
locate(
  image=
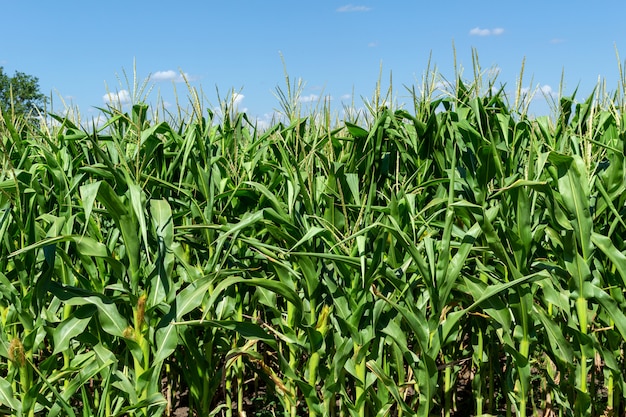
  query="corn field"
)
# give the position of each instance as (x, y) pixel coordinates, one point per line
(454, 257)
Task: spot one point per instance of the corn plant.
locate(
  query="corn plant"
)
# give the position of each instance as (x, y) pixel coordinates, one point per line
(457, 258)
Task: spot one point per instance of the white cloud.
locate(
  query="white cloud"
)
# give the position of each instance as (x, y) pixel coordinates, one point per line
(310, 98)
(232, 104)
(121, 97)
(486, 32)
(493, 72)
(169, 75)
(97, 121)
(316, 99)
(237, 99)
(479, 32)
(444, 86)
(348, 8)
(268, 120)
(354, 113)
(547, 90)
(372, 44)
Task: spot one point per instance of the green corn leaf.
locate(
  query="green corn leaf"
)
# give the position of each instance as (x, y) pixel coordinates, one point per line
(189, 141)
(399, 337)
(274, 286)
(87, 246)
(617, 258)
(356, 131)
(606, 201)
(72, 327)
(190, 297)
(573, 186)
(522, 228)
(310, 234)
(360, 242)
(271, 197)
(539, 185)
(124, 384)
(166, 339)
(494, 240)
(495, 289)
(416, 321)
(353, 183)
(111, 320)
(311, 278)
(60, 400)
(611, 308)
(115, 206)
(88, 194)
(561, 347)
(137, 204)
(7, 289)
(14, 138)
(389, 384)
(154, 400)
(163, 227)
(88, 371)
(5, 216)
(128, 225)
(352, 261)
(157, 129)
(7, 396)
(311, 397)
(250, 331)
(341, 355)
(458, 261)
(427, 374)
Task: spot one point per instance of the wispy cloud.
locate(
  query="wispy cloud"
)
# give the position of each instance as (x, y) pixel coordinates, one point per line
(316, 98)
(310, 98)
(120, 97)
(349, 8)
(477, 31)
(372, 44)
(557, 40)
(169, 75)
(268, 119)
(237, 99)
(494, 72)
(233, 103)
(548, 91)
(97, 120)
(541, 91)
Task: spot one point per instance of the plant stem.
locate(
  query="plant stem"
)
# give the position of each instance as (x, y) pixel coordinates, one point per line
(360, 383)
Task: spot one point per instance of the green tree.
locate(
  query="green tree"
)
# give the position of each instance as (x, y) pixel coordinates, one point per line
(20, 93)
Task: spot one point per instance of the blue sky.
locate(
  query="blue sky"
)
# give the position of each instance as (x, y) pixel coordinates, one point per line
(78, 48)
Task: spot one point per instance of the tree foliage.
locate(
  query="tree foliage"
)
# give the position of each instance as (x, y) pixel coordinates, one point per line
(20, 93)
